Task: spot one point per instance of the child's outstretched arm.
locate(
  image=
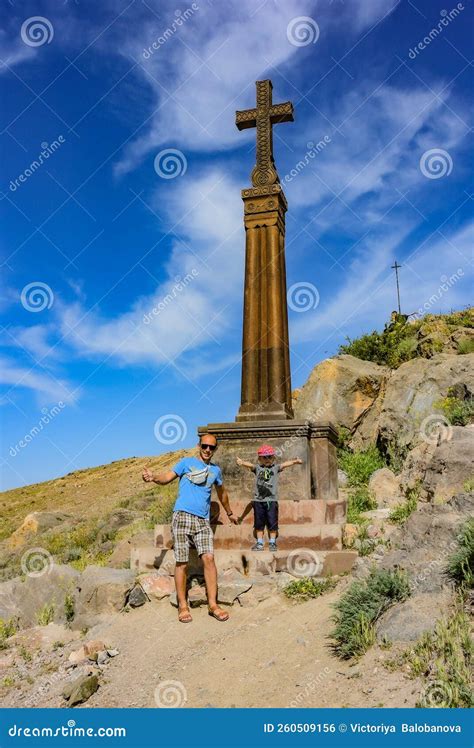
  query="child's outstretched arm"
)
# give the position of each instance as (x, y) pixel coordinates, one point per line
(244, 463)
(290, 463)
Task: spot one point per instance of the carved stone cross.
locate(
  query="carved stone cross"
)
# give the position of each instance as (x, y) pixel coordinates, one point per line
(263, 117)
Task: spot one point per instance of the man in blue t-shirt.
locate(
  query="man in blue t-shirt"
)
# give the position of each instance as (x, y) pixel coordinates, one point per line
(191, 523)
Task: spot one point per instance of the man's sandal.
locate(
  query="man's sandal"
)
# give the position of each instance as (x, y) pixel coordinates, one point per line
(218, 614)
(184, 616)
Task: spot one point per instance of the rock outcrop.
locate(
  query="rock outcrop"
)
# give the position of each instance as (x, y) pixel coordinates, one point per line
(24, 599)
(379, 405)
(343, 390)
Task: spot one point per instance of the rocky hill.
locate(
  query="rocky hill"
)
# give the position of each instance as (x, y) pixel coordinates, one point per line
(74, 616)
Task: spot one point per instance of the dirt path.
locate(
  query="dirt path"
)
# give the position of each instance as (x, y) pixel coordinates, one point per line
(274, 655)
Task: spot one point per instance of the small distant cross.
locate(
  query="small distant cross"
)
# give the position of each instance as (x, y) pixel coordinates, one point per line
(263, 117)
(395, 267)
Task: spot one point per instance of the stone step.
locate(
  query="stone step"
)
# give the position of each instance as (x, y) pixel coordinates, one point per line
(290, 536)
(314, 511)
(305, 563)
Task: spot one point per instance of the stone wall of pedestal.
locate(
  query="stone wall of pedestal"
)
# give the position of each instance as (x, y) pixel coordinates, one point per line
(315, 444)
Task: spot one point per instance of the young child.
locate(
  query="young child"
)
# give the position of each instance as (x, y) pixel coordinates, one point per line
(265, 503)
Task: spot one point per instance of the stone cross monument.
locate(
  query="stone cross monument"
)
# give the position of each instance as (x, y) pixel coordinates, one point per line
(266, 379)
(266, 413)
(311, 514)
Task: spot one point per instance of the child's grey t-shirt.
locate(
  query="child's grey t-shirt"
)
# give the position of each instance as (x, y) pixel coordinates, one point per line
(266, 482)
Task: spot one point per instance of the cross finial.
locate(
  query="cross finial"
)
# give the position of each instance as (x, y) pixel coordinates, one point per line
(395, 267)
(263, 117)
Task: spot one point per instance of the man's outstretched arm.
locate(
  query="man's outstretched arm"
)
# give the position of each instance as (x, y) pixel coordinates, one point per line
(161, 478)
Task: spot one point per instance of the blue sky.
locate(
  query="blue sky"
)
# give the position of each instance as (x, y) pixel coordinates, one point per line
(100, 233)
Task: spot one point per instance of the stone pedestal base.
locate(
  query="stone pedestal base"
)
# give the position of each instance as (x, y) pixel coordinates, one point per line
(314, 443)
(311, 515)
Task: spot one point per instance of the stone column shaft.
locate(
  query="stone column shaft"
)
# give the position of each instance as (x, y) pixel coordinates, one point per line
(266, 381)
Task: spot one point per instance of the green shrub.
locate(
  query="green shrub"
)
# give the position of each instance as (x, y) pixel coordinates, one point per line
(359, 466)
(360, 500)
(343, 438)
(402, 341)
(392, 347)
(466, 345)
(306, 588)
(69, 607)
(363, 544)
(395, 455)
(361, 605)
(460, 566)
(45, 614)
(7, 629)
(468, 485)
(401, 512)
(444, 659)
(458, 412)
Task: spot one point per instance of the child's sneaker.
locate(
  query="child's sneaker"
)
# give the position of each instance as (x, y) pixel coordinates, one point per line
(272, 546)
(258, 546)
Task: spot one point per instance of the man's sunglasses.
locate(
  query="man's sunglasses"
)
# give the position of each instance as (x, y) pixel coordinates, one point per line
(212, 447)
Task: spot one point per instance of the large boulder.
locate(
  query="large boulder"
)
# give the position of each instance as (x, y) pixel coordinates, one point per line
(391, 408)
(427, 539)
(80, 689)
(451, 465)
(411, 393)
(385, 487)
(34, 524)
(25, 598)
(440, 469)
(231, 584)
(102, 590)
(407, 621)
(343, 390)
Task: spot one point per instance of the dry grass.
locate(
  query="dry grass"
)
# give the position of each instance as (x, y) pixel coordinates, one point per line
(83, 494)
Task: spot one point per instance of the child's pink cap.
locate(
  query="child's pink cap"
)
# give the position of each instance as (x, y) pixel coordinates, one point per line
(266, 451)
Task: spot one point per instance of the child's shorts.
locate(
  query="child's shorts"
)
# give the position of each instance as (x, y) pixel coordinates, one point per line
(265, 515)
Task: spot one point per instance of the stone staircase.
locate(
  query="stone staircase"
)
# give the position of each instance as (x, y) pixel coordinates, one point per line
(309, 539)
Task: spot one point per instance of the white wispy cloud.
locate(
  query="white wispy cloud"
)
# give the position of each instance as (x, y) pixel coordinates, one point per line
(360, 303)
(208, 67)
(47, 387)
(194, 306)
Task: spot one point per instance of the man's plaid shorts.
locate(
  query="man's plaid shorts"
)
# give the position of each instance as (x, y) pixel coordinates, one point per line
(190, 530)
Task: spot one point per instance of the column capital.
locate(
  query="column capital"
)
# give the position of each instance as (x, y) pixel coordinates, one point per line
(264, 206)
